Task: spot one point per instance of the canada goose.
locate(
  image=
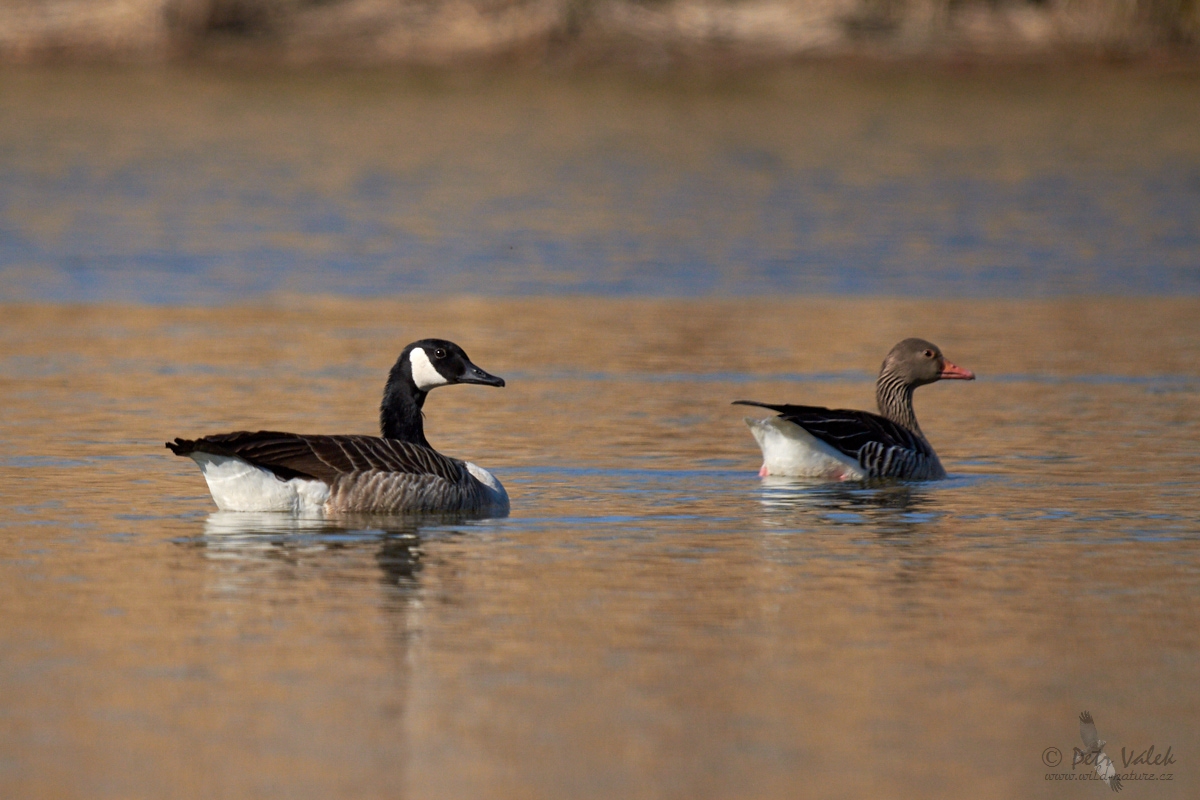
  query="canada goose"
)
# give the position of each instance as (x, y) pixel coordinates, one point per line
(815, 442)
(396, 473)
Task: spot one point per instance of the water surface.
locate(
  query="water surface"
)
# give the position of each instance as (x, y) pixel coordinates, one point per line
(652, 620)
(214, 187)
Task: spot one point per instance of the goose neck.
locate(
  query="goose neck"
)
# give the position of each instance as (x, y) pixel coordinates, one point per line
(894, 396)
(400, 415)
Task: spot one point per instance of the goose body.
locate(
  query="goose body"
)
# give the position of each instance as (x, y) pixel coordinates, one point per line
(398, 472)
(841, 444)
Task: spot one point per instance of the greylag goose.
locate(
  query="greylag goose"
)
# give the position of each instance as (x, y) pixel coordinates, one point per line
(838, 444)
(397, 473)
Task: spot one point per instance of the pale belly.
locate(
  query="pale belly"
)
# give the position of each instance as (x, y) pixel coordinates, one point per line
(790, 451)
(236, 485)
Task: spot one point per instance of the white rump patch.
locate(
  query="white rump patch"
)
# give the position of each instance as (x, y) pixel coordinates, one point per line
(424, 374)
(238, 485)
(499, 496)
(790, 451)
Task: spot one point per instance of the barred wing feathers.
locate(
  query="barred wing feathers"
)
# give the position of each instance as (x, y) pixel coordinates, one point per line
(364, 473)
(883, 448)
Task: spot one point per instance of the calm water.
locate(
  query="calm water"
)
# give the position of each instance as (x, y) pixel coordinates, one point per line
(183, 187)
(652, 620)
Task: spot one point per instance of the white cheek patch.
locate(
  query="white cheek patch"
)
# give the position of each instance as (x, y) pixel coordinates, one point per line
(424, 374)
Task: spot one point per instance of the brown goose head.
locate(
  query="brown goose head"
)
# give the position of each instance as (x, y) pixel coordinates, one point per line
(917, 362)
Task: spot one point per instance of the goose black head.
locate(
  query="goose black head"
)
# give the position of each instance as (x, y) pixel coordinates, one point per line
(422, 367)
(918, 362)
(431, 363)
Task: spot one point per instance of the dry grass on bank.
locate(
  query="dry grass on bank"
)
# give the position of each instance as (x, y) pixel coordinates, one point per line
(651, 32)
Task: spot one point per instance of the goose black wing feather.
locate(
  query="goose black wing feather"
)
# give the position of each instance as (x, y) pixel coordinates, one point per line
(325, 458)
(883, 447)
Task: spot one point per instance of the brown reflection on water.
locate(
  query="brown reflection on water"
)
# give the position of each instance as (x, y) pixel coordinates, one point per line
(652, 620)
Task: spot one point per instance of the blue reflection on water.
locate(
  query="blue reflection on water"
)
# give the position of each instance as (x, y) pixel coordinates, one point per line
(175, 222)
(792, 246)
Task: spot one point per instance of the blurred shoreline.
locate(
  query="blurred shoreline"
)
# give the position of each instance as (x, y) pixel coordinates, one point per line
(650, 34)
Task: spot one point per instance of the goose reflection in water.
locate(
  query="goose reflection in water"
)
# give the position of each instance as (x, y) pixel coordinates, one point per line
(290, 539)
(888, 507)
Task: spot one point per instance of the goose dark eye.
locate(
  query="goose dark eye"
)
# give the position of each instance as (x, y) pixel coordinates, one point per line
(928, 354)
(439, 353)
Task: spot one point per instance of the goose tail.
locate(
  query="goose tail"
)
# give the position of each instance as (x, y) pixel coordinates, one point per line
(182, 447)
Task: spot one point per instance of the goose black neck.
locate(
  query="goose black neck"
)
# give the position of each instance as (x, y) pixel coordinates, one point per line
(400, 414)
(894, 396)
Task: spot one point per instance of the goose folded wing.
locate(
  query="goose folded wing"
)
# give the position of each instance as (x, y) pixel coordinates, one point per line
(883, 447)
(325, 458)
